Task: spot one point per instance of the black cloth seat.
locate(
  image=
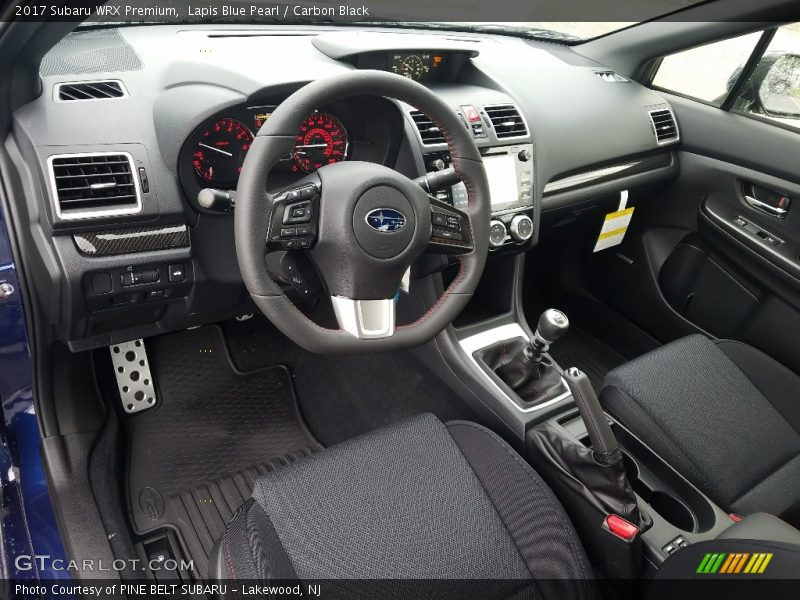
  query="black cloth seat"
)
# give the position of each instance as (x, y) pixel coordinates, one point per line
(724, 414)
(417, 500)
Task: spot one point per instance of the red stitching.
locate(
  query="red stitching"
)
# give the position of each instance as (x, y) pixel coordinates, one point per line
(228, 559)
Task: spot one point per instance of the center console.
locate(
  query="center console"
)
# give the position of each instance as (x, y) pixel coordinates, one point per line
(632, 509)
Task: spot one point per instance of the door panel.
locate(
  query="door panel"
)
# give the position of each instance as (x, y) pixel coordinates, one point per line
(704, 257)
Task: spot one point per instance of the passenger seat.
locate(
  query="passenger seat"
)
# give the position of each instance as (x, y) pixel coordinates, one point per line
(724, 414)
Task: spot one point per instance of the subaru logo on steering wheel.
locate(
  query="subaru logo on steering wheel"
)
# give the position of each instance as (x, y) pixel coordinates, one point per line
(386, 220)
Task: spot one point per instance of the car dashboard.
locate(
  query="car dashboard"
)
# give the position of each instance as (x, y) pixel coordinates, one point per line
(118, 157)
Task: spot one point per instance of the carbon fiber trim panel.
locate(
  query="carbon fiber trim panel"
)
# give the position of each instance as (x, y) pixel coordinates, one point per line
(130, 241)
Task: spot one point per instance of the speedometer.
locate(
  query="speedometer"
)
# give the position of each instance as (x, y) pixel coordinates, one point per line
(220, 151)
(322, 141)
(412, 67)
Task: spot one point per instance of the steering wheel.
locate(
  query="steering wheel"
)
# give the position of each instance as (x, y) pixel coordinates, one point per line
(362, 224)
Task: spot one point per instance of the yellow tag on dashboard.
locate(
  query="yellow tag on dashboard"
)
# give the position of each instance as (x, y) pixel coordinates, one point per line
(614, 227)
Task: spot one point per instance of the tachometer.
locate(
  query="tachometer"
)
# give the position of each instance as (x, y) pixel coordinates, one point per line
(221, 150)
(322, 141)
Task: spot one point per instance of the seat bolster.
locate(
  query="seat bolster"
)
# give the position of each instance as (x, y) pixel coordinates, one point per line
(636, 420)
(536, 521)
(778, 384)
(250, 549)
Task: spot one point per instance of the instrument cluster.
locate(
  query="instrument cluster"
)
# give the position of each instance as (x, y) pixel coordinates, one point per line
(360, 128)
(220, 147)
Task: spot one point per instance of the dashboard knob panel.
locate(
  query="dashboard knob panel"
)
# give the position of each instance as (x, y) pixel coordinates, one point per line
(521, 228)
(497, 233)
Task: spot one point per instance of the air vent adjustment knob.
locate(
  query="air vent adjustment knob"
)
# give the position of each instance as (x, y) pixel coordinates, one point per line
(497, 233)
(521, 228)
(524, 155)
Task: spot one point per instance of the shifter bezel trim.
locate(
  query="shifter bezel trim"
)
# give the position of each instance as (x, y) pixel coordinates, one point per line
(486, 338)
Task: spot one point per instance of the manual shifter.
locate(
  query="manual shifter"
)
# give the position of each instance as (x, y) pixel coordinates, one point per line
(531, 373)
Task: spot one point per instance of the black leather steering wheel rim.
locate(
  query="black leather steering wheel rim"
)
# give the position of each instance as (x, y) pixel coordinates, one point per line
(253, 211)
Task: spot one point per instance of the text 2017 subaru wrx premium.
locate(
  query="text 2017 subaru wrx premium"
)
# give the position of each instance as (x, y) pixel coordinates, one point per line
(395, 309)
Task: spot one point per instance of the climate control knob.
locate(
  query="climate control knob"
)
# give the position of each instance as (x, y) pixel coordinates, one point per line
(497, 234)
(521, 228)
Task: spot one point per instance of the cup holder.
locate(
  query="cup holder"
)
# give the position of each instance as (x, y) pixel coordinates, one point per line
(673, 510)
(669, 507)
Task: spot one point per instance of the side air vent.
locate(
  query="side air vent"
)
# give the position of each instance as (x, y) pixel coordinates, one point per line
(90, 90)
(506, 120)
(429, 133)
(664, 126)
(94, 185)
(611, 77)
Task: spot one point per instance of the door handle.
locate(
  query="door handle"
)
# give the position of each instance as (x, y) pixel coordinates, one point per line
(775, 211)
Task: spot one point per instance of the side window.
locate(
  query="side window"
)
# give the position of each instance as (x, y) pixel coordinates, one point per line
(756, 74)
(773, 88)
(705, 72)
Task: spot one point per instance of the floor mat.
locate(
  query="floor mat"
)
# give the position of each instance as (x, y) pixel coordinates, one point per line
(343, 396)
(579, 349)
(193, 459)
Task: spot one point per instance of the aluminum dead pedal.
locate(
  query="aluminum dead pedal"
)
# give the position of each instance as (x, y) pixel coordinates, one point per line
(134, 380)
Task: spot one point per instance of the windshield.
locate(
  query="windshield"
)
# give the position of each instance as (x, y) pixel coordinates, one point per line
(417, 14)
(578, 31)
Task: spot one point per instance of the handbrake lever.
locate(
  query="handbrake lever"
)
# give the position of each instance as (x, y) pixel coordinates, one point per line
(602, 438)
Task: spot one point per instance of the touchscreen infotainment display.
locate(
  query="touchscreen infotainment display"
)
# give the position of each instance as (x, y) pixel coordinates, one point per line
(502, 174)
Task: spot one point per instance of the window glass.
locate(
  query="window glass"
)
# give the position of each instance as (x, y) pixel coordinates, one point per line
(773, 89)
(706, 72)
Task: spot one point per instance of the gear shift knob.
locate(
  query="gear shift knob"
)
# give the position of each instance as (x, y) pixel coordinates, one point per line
(552, 325)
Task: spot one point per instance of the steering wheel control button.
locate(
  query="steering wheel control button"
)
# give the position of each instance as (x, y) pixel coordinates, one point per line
(177, 273)
(288, 232)
(447, 234)
(300, 212)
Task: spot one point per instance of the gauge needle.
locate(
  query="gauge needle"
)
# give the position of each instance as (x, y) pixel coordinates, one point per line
(311, 146)
(214, 148)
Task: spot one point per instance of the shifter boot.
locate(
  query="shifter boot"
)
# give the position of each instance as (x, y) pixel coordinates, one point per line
(530, 379)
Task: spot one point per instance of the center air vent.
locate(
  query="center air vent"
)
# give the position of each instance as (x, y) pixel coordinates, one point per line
(429, 132)
(94, 184)
(664, 126)
(90, 90)
(506, 120)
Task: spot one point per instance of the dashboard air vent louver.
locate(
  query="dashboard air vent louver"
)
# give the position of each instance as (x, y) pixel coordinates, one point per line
(664, 126)
(90, 90)
(429, 133)
(94, 184)
(506, 120)
(611, 77)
